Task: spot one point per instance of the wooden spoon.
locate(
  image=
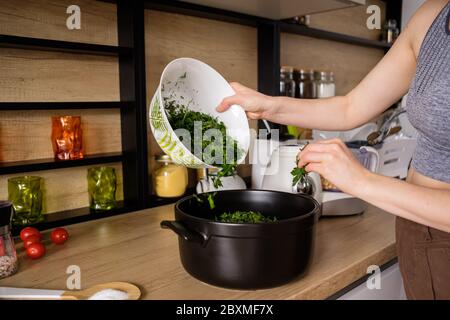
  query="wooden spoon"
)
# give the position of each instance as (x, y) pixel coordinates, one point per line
(21, 293)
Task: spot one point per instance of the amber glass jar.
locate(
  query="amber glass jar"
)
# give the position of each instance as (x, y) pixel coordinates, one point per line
(67, 137)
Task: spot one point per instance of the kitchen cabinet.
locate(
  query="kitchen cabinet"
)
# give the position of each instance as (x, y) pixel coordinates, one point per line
(282, 9)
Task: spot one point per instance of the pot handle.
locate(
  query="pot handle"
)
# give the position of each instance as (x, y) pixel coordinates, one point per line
(182, 231)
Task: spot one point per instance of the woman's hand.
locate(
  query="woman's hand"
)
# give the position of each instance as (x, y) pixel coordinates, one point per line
(255, 104)
(336, 163)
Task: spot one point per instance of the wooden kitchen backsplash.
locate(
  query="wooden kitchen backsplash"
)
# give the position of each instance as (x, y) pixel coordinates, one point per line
(64, 188)
(350, 63)
(229, 48)
(25, 135)
(351, 21)
(47, 19)
(29, 75)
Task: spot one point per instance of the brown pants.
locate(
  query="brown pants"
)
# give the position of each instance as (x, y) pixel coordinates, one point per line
(424, 260)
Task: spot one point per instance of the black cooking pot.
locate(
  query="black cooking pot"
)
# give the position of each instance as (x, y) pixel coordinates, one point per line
(245, 255)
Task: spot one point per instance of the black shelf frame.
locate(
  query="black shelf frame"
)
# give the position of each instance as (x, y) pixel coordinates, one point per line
(131, 55)
(16, 106)
(132, 105)
(67, 217)
(51, 163)
(61, 46)
(293, 28)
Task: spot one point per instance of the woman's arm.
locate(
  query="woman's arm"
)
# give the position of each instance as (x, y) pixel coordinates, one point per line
(423, 205)
(383, 86)
(335, 162)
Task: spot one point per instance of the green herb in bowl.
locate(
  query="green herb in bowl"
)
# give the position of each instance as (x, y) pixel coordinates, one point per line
(226, 149)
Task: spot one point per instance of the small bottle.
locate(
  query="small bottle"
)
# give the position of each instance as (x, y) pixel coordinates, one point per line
(306, 86)
(325, 84)
(171, 179)
(287, 83)
(8, 257)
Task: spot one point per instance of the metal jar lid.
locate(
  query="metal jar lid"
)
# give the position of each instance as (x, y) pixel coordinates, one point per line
(305, 74)
(163, 158)
(324, 76)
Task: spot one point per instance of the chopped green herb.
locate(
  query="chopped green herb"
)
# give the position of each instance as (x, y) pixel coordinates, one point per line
(298, 173)
(180, 116)
(244, 217)
(211, 196)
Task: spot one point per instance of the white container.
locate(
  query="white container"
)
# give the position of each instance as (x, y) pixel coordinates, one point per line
(201, 88)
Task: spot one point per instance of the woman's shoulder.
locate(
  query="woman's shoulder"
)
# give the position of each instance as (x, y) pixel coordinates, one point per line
(421, 21)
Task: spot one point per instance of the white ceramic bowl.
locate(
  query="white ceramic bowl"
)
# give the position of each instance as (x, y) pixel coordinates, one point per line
(201, 88)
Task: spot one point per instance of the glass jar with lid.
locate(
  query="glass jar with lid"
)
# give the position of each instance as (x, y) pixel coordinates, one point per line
(325, 84)
(8, 257)
(170, 180)
(287, 83)
(306, 86)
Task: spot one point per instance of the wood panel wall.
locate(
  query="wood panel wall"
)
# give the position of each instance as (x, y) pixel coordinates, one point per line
(351, 21)
(64, 188)
(349, 63)
(28, 75)
(229, 48)
(47, 19)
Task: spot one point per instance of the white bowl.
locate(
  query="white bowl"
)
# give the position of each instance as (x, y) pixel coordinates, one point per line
(201, 88)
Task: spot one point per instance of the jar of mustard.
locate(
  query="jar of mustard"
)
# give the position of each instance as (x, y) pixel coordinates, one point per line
(171, 179)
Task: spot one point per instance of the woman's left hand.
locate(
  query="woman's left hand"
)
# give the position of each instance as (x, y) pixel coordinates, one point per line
(336, 163)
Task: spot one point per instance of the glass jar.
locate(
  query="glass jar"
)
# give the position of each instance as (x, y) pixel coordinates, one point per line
(25, 193)
(325, 84)
(8, 257)
(306, 86)
(102, 185)
(287, 83)
(170, 179)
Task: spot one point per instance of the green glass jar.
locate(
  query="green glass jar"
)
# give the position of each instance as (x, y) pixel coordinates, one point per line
(26, 195)
(102, 184)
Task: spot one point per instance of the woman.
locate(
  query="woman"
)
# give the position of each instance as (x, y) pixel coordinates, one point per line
(419, 61)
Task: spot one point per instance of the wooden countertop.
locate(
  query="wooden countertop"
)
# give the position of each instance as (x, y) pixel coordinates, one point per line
(133, 248)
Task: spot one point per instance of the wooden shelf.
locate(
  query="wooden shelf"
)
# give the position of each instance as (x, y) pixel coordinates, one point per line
(61, 46)
(62, 218)
(51, 163)
(333, 36)
(16, 106)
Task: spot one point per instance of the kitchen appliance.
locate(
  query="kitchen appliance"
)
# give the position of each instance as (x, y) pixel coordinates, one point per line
(277, 176)
(206, 184)
(337, 203)
(245, 255)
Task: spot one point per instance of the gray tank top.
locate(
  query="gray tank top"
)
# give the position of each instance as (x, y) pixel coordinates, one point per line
(428, 102)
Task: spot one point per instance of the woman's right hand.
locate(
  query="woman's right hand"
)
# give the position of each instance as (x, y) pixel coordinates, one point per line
(255, 104)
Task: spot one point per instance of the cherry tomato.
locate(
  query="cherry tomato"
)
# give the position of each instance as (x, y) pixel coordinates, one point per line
(59, 236)
(35, 250)
(28, 231)
(30, 240)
